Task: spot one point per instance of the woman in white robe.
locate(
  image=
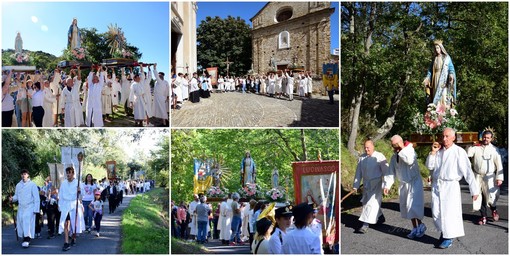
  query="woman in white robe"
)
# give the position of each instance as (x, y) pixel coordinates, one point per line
(49, 100)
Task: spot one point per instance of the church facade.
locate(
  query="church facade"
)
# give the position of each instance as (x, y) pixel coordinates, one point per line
(291, 35)
(183, 37)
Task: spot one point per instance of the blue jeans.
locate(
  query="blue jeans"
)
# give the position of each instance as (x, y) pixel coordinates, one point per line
(202, 230)
(236, 221)
(87, 214)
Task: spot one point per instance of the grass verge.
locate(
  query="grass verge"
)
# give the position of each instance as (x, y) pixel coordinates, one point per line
(145, 228)
(182, 247)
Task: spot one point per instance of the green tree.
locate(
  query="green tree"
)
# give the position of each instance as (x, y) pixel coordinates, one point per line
(233, 42)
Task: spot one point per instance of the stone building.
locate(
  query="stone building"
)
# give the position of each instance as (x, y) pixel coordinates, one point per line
(184, 37)
(291, 35)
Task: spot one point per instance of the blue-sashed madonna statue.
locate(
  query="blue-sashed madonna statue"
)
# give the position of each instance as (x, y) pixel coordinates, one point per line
(441, 81)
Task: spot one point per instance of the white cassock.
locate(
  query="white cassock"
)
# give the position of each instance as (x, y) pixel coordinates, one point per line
(270, 87)
(106, 99)
(67, 206)
(115, 90)
(161, 94)
(226, 214)
(178, 88)
(221, 84)
(56, 89)
(404, 165)
(193, 224)
(94, 112)
(290, 85)
(136, 97)
(147, 94)
(488, 168)
(73, 116)
(27, 196)
(232, 84)
(309, 83)
(184, 88)
(227, 84)
(372, 169)
(49, 100)
(125, 88)
(278, 84)
(302, 86)
(448, 166)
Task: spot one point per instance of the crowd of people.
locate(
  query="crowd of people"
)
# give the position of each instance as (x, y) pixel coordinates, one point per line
(266, 229)
(71, 100)
(281, 85)
(448, 164)
(71, 208)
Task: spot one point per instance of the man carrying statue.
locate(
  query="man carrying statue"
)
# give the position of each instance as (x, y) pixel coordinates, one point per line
(248, 171)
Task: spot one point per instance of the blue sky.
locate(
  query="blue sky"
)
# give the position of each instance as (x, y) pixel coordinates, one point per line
(246, 10)
(44, 25)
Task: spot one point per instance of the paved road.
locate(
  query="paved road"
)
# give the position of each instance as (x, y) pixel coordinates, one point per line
(235, 109)
(390, 237)
(215, 247)
(86, 243)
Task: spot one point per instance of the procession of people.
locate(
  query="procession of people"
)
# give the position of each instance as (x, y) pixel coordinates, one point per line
(71, 100)
(279, 85)
(73, 208)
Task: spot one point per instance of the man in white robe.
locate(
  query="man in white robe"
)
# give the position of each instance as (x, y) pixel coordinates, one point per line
(27, 196)
(161, 96)
(372, 169)
(70, 223)
(57, 91)
(49, 100)
(147, 94)
(136, 99)
(125, 90)
(193, 225)
(404, 166)
(488, 169)
(448, 165)
(116, 88)
(226, 220)
(71, 106)
(94, 107)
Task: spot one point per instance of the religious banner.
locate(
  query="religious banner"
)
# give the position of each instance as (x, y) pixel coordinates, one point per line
(202, 175)
(57, 173)
(317, 183)
(111, 171)
(330, 75)
(213, 73)
(70, 158)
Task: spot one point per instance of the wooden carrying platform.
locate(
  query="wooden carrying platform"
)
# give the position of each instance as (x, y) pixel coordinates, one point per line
(120, 62)
(19, 68)
(74, 63)
(462, 138)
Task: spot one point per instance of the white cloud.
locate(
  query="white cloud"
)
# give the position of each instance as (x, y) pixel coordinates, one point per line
(44, 28)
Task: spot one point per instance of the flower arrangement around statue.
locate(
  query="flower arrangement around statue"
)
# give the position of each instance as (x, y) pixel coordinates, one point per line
(21, 57)
(275, 195)
(216, 192)
(251, 191)
(436, 119)
(78, 54)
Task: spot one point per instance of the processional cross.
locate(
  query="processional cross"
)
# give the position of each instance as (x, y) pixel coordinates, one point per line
(228, 64)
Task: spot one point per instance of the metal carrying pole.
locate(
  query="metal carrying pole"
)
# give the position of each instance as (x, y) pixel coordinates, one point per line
(80, 159)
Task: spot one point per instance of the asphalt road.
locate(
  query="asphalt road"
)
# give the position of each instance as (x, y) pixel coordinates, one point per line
(86, 243)
(215, 247)
(391, 236)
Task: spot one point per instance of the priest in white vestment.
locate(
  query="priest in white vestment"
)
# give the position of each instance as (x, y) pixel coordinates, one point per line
(449, 164)
(136, 100)
(71, 106)
(161, 95)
